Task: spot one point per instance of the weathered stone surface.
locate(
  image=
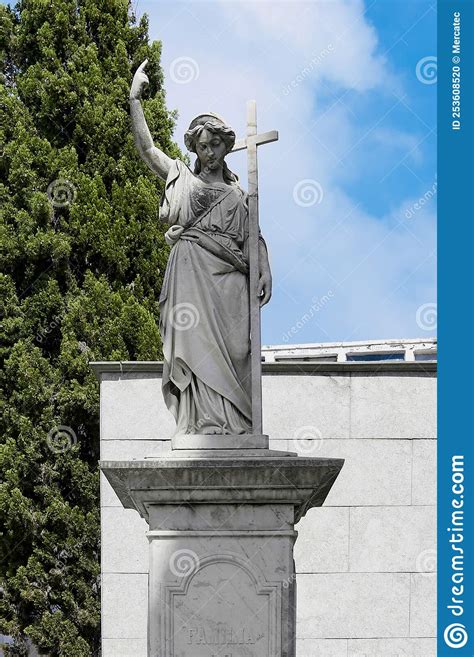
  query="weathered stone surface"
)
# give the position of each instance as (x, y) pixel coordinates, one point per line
(257, 479)
(128, 449)
(127, 592)
(108, 497)
(124, 546)
(391, 648)
(321, 648)
(338, 406)
(389, 464)
(423, 605)
(210, 442)
(424, 472)
(213, 371)
(392, 539)
(221, 574)
(400, 411)
(221, 591)
(375, 473)
(217, 517)
(323, 601)
(146, 419)
(323, 541)
(135, 647)
(319, 406)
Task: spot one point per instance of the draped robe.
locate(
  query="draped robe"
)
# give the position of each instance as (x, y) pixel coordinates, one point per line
(204, 306)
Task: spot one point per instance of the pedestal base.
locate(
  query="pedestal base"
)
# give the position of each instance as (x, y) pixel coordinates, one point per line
(219, 441)
(221, 578)
(221, 581)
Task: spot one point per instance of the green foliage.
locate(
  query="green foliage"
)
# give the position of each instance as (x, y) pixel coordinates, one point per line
(83, 257)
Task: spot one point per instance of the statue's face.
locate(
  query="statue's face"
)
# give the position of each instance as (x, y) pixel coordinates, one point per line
(211, 150)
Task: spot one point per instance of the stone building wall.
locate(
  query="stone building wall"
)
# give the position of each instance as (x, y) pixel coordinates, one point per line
(364, 560)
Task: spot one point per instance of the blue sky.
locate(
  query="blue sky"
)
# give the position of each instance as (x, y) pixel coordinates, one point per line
(348, 193)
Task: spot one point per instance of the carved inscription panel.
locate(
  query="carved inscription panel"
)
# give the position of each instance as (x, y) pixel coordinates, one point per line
(223, 609)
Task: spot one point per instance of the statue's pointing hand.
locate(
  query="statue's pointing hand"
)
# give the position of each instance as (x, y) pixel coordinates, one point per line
(140, 79)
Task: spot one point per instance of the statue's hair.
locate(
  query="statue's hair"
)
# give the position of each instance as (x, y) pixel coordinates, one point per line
(217, 128)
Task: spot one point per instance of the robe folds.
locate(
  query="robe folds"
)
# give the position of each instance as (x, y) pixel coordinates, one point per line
(204, 306)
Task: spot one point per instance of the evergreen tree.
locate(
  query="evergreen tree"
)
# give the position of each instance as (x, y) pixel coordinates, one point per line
(83, 257)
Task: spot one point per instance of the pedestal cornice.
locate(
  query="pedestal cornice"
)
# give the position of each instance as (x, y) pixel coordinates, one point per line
(302, 482)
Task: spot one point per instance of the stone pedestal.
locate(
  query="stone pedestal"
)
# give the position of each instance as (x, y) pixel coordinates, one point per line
(221, 534)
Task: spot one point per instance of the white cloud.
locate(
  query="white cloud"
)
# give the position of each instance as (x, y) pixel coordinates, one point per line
(308, 29)
(255, 50)
(407, 143)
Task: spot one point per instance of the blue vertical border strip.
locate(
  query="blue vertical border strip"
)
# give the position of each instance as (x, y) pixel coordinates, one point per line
(456, 328)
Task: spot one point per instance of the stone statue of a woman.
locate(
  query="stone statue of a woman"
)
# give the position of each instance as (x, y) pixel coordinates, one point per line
(204, 302)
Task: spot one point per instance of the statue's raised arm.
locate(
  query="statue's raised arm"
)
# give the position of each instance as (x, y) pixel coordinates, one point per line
(155, 159)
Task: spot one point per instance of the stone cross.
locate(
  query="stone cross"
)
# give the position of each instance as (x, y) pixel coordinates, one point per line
(250, 142)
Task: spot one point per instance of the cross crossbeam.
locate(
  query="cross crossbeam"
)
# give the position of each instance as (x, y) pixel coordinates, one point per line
(264, 138)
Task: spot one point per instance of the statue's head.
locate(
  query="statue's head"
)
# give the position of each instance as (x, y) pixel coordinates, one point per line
(211, 139)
